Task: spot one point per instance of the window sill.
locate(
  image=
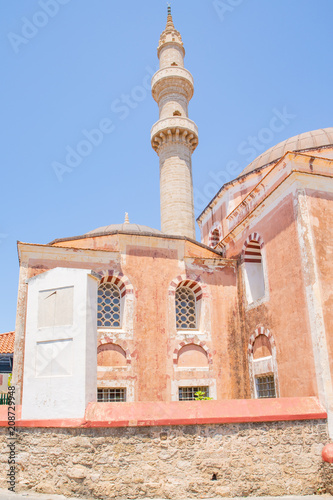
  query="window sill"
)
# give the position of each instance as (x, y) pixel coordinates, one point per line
(191, 369)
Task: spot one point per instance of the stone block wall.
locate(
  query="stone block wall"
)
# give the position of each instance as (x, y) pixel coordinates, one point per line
(176, 462)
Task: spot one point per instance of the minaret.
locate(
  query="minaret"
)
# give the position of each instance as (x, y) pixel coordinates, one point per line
(174, 137)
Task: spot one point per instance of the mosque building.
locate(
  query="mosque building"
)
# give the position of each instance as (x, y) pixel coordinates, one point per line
(245, 313)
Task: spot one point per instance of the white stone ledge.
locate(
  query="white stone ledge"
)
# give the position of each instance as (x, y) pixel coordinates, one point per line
(173, 71)
(166, 78)
(181, 123)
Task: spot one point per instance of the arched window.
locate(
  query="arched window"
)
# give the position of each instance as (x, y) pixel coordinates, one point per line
(215, 235)
(262, 364)
(109, 306)
(215, 238)
(177, 113)
(254, 272)
(185, 308)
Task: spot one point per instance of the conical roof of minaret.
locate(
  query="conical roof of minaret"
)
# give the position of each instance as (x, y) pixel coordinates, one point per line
(170, 34)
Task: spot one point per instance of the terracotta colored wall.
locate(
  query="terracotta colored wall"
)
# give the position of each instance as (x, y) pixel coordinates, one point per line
(285, 313)
(151, 264)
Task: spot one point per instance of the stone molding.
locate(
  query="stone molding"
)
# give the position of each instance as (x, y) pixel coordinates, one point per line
(166, 78)
(174, 131)
(252, 237)
(106, 339)
(193, 284)
(118, 279)
(260, 331)
(194, 341)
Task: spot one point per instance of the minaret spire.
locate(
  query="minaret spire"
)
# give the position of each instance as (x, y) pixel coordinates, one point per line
(169, 24)
(174, 137)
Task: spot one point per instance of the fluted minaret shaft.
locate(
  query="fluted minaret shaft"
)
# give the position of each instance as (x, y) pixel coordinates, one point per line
(174, 137)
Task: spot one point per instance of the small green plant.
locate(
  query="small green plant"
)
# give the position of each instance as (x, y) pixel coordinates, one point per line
(200, 396)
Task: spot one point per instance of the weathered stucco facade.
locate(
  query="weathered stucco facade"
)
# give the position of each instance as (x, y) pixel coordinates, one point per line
(132, 321)
(285, 209)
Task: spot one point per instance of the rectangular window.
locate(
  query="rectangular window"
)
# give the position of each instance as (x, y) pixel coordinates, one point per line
(188, 393)
(111, 395)
(265, 387)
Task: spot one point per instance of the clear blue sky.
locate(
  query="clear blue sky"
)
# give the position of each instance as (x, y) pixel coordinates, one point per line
(250, 59)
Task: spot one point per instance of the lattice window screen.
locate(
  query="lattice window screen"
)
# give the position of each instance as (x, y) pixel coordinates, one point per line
(109, 313)
(185, 308)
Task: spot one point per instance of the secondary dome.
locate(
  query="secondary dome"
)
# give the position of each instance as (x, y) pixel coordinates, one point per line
(124, 228)
(315, 139)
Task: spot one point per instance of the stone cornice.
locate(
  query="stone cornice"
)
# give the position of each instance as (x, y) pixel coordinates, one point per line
(172, 77)
(289, 164)
(34, 250)
(174, 130)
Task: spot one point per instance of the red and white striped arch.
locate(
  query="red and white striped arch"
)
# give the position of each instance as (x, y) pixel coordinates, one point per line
(118, 279)
(260, 331)
(215, 235)
(252, 248)
(105, 339)
(193, 285)
(194, 341)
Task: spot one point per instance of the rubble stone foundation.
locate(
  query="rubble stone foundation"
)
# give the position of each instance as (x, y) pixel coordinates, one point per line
(176, 462)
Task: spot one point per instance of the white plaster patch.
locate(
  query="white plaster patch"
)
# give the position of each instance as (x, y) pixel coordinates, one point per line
(55, 307)
(54, 358)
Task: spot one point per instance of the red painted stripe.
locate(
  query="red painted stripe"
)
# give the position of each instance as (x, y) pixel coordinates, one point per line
(253, 246)
(182, 413)
(253, 261)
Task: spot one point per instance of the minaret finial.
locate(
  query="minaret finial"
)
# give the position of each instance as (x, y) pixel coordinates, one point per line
(170, 24)
(126, 218)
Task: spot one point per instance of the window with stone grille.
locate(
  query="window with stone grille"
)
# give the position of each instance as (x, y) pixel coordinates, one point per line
(265, 387)
(111, 395)
(188, 393)
(185, 309)
(109, 306)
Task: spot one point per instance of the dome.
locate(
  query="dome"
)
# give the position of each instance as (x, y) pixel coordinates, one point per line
(126, 227)
(320, 138)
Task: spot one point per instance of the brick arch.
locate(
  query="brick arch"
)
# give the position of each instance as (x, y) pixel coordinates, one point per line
(252, 237)
(118, 279)
(194, 285)
(194, 341)
(217, 226)
(105, 339)
(260, 331)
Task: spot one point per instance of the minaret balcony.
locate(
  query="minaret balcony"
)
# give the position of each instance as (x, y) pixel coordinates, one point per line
(174, 130)
(170, 78)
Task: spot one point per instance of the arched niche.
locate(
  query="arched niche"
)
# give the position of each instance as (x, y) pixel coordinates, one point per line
(192, 356)
(111, 355)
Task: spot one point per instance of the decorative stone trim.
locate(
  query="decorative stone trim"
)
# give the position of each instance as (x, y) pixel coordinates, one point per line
(106, 339)
(174, 76)
(252, 237)
(260, 331)
(194, 341)
(176, 130)
(118, 279)
(182, 280)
